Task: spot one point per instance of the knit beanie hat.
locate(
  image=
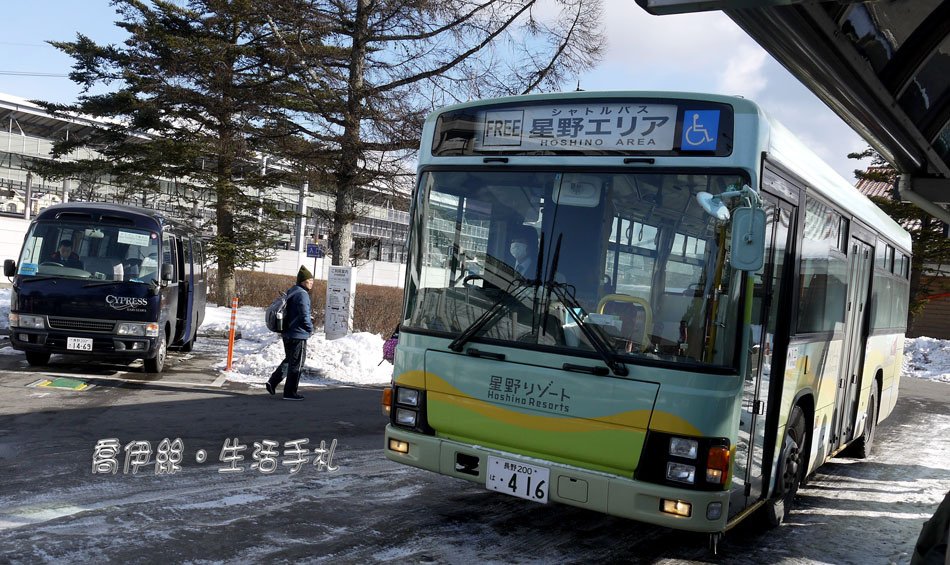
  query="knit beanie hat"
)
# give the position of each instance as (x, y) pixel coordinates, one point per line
(303, 274)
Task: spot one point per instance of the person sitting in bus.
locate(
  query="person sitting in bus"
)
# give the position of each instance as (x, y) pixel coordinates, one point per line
(65, 256)
(524, 249)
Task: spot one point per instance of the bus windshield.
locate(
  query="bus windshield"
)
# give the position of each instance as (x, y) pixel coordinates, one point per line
(96, 252)
(561, 258)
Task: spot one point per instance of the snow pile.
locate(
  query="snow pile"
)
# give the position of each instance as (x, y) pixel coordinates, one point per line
(354, 359)
(4, 308)
(927, 358)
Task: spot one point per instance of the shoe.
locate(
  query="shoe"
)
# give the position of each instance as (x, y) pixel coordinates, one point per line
(269, 387)
(293, 397)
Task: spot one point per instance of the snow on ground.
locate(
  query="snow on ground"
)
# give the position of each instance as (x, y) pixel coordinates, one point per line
(354, 359)
(357, 358)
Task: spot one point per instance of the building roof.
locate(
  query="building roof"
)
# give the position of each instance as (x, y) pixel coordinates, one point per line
(882, 189)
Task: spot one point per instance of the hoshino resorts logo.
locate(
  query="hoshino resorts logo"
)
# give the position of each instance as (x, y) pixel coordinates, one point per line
(125, 302)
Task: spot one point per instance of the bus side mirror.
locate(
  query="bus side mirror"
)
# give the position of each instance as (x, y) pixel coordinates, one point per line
(167, 271)
(9, 268)
(748, 239)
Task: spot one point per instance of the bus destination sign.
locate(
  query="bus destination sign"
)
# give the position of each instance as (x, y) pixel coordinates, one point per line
(622, 126)
(595, 126)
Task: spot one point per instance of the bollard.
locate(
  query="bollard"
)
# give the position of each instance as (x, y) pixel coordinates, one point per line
(234, 305)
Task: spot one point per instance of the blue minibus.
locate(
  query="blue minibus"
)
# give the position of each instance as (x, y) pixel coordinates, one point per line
(106, 280)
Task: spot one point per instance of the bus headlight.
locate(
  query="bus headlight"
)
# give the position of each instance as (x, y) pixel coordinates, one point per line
(408, 409)
(26, 321)
(682, 447)
(137, 329)
(681, 473)
(406, 417)
(407, 396)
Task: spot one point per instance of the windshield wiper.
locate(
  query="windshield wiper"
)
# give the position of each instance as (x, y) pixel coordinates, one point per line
(520, 284)
(99, 283)
(594, 336)
(489, 314)
(37, 278)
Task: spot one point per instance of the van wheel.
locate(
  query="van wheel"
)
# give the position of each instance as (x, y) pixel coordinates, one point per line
(157, 363)
(37, 358)
(792, 466)
(861, 448)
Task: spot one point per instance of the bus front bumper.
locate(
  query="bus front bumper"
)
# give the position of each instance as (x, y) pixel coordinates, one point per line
(601, 492)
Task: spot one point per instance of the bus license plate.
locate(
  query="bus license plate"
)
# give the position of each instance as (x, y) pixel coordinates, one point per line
(79, 343)
(517, 479)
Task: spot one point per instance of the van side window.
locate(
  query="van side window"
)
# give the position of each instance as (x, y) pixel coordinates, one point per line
(199, 259)
(168, 253)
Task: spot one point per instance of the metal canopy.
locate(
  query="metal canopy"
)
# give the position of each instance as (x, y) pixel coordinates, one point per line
(883, 66)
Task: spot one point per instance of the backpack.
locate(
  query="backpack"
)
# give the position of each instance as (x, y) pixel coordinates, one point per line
(274, 315)
(389, 346)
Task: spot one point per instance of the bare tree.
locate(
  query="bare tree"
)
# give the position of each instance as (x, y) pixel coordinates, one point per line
(368, 71)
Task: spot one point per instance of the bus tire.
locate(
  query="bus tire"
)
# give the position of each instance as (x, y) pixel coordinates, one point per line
(861, 448)
(37, 358)
(157, 363)
(792, 465)
(188, 345)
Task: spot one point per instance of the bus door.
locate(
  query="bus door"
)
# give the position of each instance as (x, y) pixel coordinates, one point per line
(170, 254)
(771, 290)
(860, 255)
(185, 291)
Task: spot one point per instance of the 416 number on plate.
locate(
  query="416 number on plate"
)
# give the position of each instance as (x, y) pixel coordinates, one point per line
(517, 479)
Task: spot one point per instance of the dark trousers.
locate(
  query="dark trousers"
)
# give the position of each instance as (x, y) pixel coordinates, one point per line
(295, 353)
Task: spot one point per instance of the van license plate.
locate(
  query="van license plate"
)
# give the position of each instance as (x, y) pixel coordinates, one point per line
(79, 343)
(517, 479)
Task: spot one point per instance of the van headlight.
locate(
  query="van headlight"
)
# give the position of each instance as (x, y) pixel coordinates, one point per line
(137, 329)
(26, 321)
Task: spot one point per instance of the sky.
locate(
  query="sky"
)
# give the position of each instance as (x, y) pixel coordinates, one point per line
(703, 52)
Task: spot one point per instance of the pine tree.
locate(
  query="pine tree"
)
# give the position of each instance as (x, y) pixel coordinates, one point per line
(931, 245)
(197, 103)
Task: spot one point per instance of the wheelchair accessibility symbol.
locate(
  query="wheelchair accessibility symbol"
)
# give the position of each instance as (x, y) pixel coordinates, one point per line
(700, 130)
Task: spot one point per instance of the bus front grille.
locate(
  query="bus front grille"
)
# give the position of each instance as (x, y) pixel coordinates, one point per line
(81, 325)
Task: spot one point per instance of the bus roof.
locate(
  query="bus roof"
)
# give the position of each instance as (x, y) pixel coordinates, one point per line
(788, 150)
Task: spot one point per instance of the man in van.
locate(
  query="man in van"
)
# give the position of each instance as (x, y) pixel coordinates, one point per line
(297, 329)
(65, 256)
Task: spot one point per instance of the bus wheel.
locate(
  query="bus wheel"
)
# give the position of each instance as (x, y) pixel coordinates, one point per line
(792, 466)
(37, 358)
(862, 447)
(157, 363)
(189, 345)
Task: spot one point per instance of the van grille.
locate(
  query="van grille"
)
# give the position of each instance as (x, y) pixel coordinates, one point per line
(81, 325)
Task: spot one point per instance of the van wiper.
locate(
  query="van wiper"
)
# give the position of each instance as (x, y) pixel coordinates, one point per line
(100, 283)
(490, 314)
(594, 336)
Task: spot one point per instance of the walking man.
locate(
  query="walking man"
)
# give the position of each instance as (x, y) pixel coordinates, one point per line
(297, 329)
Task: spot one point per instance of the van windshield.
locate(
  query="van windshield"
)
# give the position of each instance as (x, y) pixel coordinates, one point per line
(75, 250)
